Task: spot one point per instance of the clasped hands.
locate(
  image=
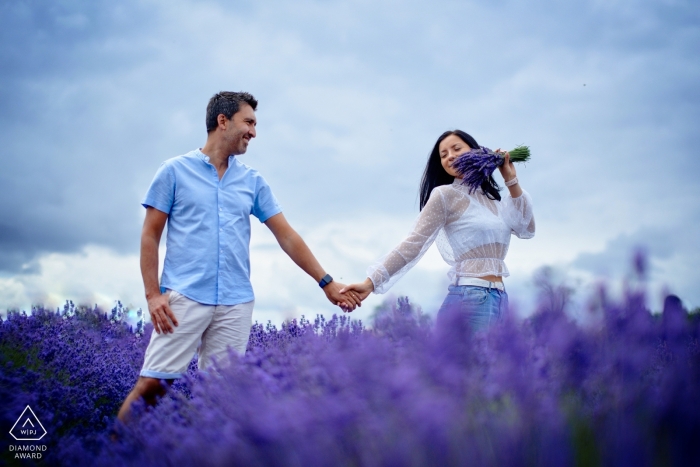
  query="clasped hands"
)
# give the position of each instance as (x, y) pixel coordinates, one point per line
(348, 297)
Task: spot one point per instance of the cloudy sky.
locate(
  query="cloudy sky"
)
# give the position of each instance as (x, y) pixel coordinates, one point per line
(94, 95)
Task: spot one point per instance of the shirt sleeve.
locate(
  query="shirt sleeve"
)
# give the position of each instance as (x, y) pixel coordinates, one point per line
(161, 193)
(391, 267)
(265, 205)
(518, 215)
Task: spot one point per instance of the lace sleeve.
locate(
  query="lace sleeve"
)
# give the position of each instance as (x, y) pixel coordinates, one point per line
(517, 214)
(391, 267)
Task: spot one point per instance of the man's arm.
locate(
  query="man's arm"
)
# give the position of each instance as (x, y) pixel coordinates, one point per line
(292, 244)
(161, 314)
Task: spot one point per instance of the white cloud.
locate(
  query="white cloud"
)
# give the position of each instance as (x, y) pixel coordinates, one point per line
(96, 275)
(345, 248)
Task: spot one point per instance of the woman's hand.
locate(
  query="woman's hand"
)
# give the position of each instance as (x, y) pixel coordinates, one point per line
(362, 289)
(507, 169)
(508, 172)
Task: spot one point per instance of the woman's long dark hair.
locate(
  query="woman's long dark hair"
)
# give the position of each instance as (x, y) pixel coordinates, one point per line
(435, 175)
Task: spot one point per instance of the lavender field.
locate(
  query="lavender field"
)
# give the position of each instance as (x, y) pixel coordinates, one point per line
(624, 390)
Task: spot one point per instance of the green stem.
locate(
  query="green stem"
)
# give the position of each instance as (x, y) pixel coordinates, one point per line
(520, 154)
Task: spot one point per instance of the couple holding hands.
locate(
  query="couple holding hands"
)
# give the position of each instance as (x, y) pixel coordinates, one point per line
(204, 299)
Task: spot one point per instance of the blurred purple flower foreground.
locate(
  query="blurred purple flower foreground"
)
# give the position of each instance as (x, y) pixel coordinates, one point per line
(622, 392)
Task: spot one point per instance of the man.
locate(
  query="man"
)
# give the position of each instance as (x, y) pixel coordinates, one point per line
(207, 197)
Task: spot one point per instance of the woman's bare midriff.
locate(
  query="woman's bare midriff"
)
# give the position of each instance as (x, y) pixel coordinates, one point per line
(492, 278)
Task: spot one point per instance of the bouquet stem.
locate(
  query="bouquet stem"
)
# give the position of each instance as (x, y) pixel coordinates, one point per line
(520, 154)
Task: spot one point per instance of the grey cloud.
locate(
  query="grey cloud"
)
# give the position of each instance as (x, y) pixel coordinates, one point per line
(660, 244)
(616, 259)
(75, 135)
(671, 251)
(94, 95)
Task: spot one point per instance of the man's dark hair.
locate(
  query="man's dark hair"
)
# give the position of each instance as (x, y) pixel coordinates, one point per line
(226, 103)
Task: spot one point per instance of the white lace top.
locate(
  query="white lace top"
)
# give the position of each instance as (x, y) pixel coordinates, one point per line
(472, 232)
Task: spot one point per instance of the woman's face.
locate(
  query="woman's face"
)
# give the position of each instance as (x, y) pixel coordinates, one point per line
(450, 148)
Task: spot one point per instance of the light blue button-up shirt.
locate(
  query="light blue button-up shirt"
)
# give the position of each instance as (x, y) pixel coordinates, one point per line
(207, 257)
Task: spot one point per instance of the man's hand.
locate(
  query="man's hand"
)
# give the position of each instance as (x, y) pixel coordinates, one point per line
(161, 314)
(158, 308)
(347, 301)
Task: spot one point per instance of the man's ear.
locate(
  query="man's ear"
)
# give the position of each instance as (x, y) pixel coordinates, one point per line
(222, 121)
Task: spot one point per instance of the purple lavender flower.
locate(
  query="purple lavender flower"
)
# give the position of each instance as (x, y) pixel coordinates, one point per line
(477, 165)
(624, 390)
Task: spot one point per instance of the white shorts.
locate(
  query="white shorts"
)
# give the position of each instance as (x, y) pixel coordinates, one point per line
(218, 327)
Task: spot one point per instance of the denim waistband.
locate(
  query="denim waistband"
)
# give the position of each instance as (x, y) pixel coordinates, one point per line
(480, 283)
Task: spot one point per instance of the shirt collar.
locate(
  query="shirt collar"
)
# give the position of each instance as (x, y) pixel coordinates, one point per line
(201, 155)
(205, 158)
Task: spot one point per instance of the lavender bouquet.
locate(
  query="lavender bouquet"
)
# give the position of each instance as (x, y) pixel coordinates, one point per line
(477, 165)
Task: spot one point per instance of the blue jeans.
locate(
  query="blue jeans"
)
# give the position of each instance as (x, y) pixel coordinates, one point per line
(480, 306)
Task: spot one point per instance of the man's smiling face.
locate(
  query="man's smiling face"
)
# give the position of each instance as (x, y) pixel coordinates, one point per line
(241, 129)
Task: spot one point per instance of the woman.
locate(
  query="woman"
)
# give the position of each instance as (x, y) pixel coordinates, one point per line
(472, 232)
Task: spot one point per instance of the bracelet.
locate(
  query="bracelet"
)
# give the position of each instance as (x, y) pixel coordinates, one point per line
(512, 182)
